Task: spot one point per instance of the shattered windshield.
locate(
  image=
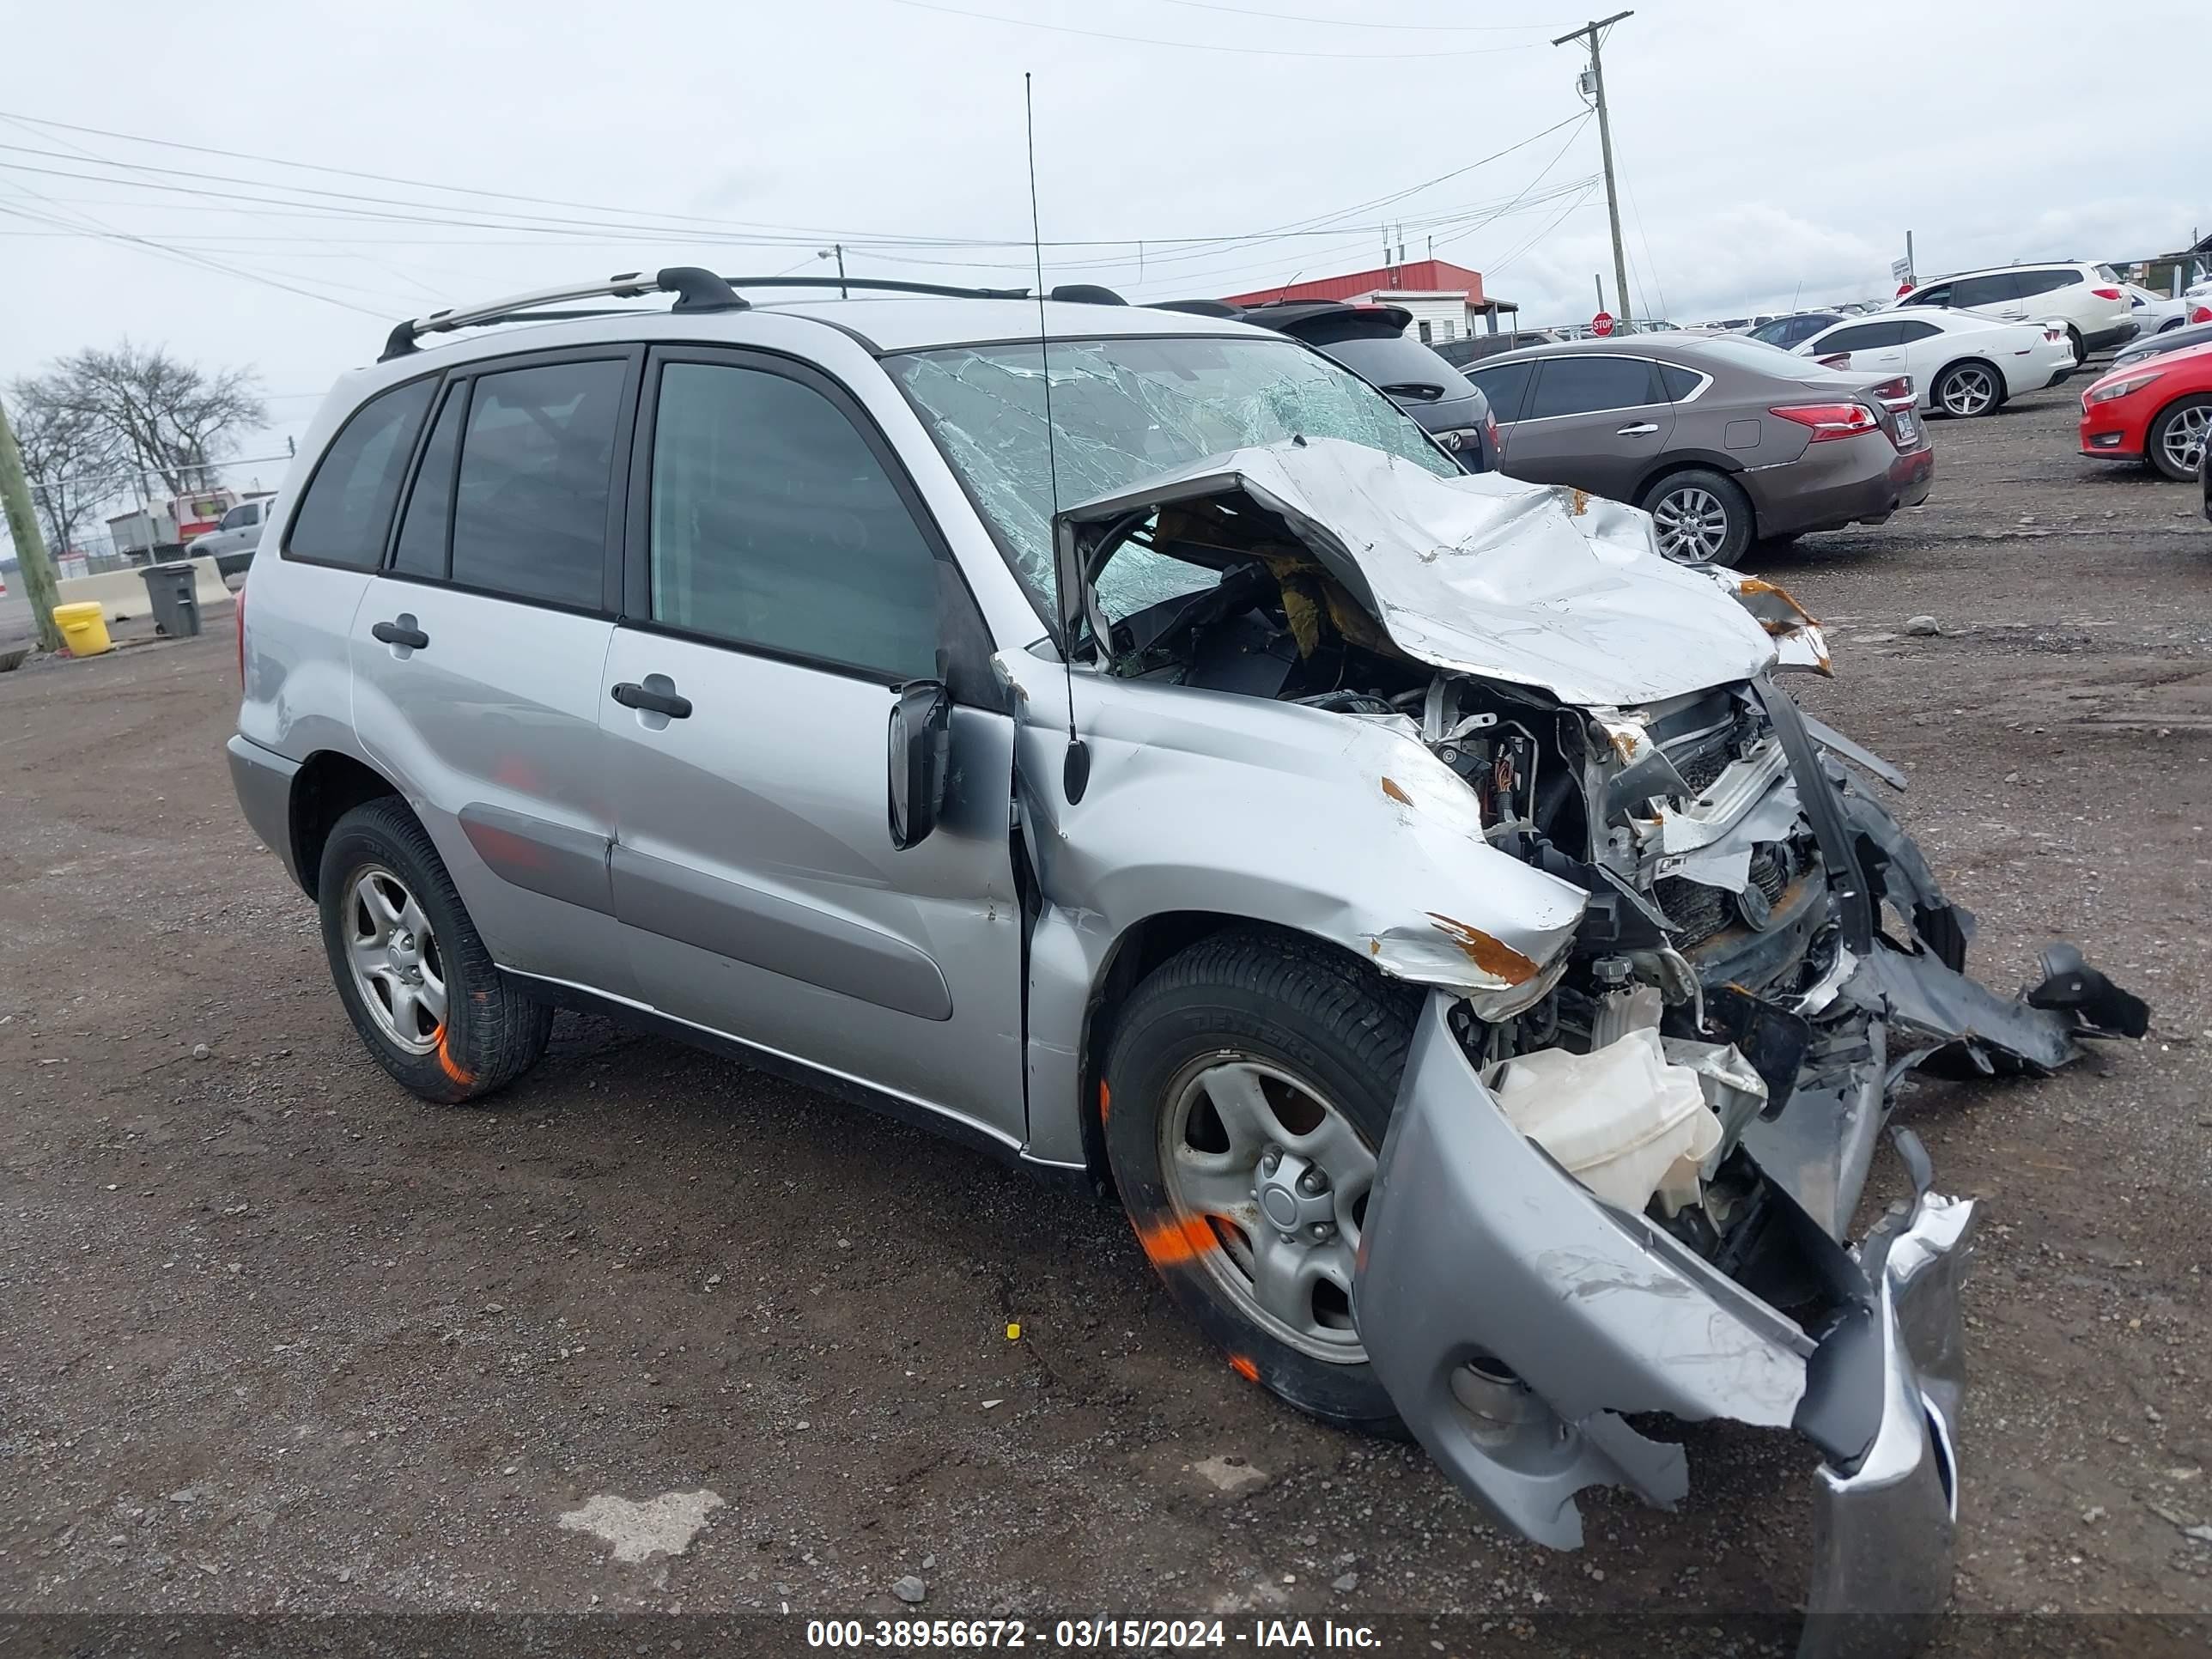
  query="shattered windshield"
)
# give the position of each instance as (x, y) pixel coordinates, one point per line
(1125, 410)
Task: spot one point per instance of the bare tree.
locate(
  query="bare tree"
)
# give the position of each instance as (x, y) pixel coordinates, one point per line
(73, 461)
(167, 418)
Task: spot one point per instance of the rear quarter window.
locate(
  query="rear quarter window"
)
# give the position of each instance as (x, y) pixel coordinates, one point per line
(1505, 386)
(347, 512)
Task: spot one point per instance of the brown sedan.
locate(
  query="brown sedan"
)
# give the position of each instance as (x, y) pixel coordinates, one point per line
(1724, 441)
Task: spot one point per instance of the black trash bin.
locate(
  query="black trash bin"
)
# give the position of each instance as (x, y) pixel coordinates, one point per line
(176, 607)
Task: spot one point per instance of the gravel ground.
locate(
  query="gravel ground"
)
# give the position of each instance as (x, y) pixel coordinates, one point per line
(280, 1337)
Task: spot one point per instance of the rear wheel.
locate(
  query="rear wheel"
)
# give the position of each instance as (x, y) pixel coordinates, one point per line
(2175, 443)
(1250, 1084)
(413, 973)
(1700, 515)
(1965, 390)
(2081, 346)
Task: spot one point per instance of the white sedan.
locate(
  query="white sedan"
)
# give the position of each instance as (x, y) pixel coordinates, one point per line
(2155, 312)
(1963, 364)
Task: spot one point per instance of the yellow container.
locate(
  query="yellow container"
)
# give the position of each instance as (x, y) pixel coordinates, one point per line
(83, 628)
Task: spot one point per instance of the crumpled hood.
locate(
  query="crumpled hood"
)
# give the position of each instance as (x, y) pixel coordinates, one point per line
(1483, 576)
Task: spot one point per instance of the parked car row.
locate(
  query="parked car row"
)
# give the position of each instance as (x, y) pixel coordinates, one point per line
(2088, 300)
(1964, 364)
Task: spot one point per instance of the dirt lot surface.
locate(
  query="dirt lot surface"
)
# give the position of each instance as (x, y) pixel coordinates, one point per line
(278, 1336)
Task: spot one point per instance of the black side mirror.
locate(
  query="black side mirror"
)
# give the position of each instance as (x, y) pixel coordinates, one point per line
(921, 743)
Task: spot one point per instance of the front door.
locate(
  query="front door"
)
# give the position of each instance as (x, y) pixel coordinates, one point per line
(781, 578)
(1590, 420)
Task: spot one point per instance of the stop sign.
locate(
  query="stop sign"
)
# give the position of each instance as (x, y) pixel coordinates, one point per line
(1601, 325)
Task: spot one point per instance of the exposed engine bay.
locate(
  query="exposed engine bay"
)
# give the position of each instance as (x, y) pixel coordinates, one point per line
(1710, 921)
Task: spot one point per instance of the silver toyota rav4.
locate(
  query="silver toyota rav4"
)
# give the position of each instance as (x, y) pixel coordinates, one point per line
(1120, 740)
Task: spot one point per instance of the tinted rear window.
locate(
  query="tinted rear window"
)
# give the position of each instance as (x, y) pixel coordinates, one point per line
(421, 547)
(1398, 361)
(347, 511)
(1972, 291)
(530, 515)
(1576, 384)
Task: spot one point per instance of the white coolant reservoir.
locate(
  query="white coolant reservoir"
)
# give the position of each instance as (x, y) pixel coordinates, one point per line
(1620, 1119)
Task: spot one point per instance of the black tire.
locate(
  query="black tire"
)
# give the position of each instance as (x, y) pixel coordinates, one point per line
(2161, 426)
(490, 1034)
(1300, 1008)
(1738, 528)
(2081, 346)
(1957, 382)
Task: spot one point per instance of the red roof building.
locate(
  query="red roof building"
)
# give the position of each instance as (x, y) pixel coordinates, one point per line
(1416, 275)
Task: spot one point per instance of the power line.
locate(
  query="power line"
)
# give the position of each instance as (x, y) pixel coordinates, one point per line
(1558, 220)
(1551, 196)
(184, 256)
(1199, 46)
(379, 210)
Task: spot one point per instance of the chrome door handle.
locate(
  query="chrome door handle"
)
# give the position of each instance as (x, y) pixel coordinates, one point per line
(1637, 430)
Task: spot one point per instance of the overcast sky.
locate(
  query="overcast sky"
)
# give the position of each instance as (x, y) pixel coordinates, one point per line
(1768, 151)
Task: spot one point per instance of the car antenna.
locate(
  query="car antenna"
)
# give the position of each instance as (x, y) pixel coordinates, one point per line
(1075, 773)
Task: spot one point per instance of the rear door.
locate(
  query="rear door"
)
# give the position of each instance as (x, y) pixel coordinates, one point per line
(479, 651)
(1593, 420)
(782, 577)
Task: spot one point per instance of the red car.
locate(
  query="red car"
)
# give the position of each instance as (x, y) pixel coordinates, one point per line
(2158, 410)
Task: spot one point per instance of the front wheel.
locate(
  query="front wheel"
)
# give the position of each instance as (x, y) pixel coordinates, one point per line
(414, 974)
(1965, 390)
(2175, 443)
(1700, 516)
(1249, 1085)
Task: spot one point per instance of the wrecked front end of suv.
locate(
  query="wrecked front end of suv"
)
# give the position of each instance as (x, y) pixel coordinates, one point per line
(1656, 1058)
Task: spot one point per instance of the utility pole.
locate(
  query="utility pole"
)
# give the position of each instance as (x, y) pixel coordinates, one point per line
(30, 546)
(1589, 32)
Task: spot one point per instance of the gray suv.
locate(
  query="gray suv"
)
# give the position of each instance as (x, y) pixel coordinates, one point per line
(1411, 895)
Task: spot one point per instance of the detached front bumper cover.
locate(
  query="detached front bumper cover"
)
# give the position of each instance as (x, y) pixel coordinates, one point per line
(1517, 1321)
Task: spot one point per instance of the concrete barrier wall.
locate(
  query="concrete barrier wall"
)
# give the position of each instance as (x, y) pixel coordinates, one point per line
(121, 594)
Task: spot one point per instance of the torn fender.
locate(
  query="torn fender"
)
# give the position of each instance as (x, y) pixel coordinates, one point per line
(1516, 1321)
(1348, 830)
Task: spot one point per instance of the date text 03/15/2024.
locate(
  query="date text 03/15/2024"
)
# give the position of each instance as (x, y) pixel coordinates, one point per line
(1167, 1634)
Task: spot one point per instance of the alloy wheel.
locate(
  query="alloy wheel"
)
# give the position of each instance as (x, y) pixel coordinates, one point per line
(1281, 1178)
(2184, 438)
(1969, 390)
(1691, 522)
(396, 965)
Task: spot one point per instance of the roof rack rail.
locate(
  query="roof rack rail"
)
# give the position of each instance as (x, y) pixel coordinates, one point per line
(1082, 294)
(694, 289)
(880, 285)
(697, 289)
